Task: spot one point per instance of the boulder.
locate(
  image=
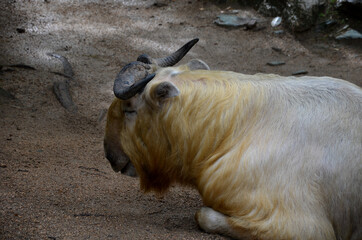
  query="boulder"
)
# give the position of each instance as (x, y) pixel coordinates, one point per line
(350, 34)
(298, 15)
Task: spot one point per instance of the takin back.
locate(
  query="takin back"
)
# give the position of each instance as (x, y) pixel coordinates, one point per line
(272, 157)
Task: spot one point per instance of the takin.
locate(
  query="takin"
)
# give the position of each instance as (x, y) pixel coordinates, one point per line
(272, 157)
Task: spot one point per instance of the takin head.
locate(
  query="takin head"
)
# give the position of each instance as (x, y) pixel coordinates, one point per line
(128, 86)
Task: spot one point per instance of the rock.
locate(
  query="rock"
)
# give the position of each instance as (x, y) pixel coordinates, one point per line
(301, 15)
(160, 4)
(235, 21)
(276, 63)
(350, 34)
(300, 72)
(276, 22)
(68, 70)
(278, 50)
(61, 91)
(20, 30)
(278, 32)
(61, 88)
(24, 66)
(298, 15)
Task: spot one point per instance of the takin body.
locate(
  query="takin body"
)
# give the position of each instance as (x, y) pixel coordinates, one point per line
(272, 157)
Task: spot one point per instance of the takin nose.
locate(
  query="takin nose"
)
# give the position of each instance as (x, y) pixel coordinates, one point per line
(112, 159)
(120, 162)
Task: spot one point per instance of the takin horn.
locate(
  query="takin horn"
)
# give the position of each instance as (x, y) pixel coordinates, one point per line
(134, 76)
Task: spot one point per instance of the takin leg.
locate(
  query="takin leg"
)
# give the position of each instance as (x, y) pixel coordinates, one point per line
(212, 221)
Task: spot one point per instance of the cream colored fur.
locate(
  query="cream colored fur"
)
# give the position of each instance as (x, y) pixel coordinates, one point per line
(272, 157)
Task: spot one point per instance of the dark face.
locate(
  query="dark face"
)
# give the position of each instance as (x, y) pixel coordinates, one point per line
(112, 145)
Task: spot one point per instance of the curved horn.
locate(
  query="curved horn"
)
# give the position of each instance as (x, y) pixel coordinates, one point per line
(176, 56)
(127, 93)
(134, 76)
(171, 59)
(131, 79)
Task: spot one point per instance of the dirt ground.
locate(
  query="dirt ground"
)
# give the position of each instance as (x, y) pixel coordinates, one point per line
(55, 181)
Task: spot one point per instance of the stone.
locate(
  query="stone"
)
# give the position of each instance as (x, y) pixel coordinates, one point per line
(235, 21)
(300, 72)
(350, 34)
(278, 32)
(20, 30)
(298, 15)
(301, 15)
(276, 63)
(276, 22)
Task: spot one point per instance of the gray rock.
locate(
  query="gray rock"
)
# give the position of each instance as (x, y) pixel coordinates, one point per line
(160, 3)
(235, 21)
(298, 15)
(278, 32)
(300, 72)
(68, 70)
(278, 50)
(301, 15)
(276, 21)
(276, 63)
(350, 34)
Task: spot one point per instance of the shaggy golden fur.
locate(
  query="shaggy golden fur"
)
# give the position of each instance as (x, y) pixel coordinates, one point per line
(272, 157)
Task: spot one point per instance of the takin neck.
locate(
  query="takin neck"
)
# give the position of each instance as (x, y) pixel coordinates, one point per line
(192, 132)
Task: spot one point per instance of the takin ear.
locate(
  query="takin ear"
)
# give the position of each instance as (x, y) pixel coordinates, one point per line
(165, 90)
(196, 64)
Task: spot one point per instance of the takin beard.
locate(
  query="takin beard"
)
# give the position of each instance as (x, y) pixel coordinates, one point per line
(151, 157)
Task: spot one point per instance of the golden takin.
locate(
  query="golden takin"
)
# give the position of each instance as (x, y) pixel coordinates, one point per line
(272, 157)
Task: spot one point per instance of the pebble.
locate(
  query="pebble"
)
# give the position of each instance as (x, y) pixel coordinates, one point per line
(300, 72)
(20, 30)
(276, 63)
(278, 32)
(276, 21)
(279, 50)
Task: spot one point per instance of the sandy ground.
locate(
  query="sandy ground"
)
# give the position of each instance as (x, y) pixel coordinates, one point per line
(54, 180)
